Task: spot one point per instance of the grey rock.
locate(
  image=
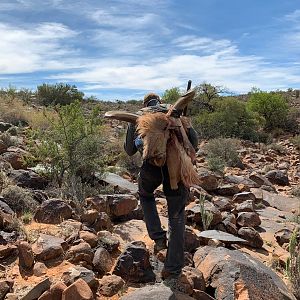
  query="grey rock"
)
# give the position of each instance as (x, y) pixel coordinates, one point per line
(278, 177)
(221, 236)
(37, 290)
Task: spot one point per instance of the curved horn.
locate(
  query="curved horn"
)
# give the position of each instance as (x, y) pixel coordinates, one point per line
(183, 101)
(122, 116)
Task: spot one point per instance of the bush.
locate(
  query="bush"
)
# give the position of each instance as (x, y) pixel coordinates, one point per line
(229, 119)
(19, 199)
(223, 151)
(293, 263)
(8, 140)
(171, 95)
(59, 93)
(296, 141)
(73, 145)
(271, 106)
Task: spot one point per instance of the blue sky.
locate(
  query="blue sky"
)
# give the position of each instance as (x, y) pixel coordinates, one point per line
(123, 49)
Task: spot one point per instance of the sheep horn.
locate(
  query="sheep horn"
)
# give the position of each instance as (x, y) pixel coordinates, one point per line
(183, 101)
(122, 116)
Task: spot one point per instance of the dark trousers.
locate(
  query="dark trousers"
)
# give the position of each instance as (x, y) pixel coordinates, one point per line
(149, 179)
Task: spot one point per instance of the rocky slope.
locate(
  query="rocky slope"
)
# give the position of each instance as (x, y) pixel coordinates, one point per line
(101, 250)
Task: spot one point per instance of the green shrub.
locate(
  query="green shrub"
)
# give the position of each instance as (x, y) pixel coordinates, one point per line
(171, 95)
(229, 119)
(206, 215)
(271, 106)
(223, 151)
(296, 141)
(216, 164)
(293, 263)
(59, 93)
(8, 140)
(19, 199)
(72, 146)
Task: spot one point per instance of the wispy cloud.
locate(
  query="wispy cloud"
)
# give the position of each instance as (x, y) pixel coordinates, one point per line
(34, 49)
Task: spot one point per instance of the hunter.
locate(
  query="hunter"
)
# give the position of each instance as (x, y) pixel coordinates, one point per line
(150, 178)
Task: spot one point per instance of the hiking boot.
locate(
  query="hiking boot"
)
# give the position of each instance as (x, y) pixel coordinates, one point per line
(159, 245)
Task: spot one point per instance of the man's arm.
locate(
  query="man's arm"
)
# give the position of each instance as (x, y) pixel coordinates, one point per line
(129, 145)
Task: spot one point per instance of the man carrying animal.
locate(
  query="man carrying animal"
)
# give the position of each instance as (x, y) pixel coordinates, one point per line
(150, 178)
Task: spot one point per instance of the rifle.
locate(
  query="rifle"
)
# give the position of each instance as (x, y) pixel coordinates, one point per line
(189, 85)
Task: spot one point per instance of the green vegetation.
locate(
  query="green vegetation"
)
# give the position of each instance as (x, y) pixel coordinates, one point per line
(59, 93)
(293, 263)
(171, 95)
(72, 147)
(206, 215)
(271, 106)
(223, 152)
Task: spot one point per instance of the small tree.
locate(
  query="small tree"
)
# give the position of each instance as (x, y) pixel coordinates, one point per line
(59, 93)
(271, 106)
(171, 95)
(72, 145)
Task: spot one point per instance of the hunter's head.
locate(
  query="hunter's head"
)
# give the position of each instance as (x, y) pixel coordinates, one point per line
(151, 99)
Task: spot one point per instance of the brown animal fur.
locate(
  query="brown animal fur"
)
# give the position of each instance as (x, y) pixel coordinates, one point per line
(165, 141)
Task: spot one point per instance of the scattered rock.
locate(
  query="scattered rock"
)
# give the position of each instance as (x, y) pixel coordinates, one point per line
(28, 179)
(39, 269)
(76, 272)
(80, 253)
(7, 251)
(283, 236)
(251, 236)
(53, 211)
(5, 126)
(155, 292)
(78, 290)
(48, 247)
(192, 279)
(192, 241)
(102, 262)
(278, 177)
(248, 219)
(219, 235)
(5, 208)
(26, 258)
(223, 204)
(98, 203)
(235, 274)
(208, 180)
(37, 290)
(110, 285)
(89, 237)
(108, 241)
(89, 217)
(121, 204)
(133, 264)
(246, 206)
(102, 222)
(260, 180)
(244, 196)
(228, 190)
(55, 292)
(5, 287)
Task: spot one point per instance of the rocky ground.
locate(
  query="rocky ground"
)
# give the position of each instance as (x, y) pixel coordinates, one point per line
(101, 250)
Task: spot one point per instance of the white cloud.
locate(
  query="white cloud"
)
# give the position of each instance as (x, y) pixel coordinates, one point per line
(294, 16)
(34, 49)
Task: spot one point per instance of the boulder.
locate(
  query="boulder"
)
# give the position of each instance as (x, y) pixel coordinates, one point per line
(244, 196)
(28, 179)
(102, 222)
(260, 180)
(55, 292)
(76, 272)
(228, 189)
(89, 217)
(283, 236)
(26, 258)
(133, 264)
(102, 262)
(53, 211)
(78, 290)
(241, 180)
(48, 247)
(246, 206)
(39, 269)
(251, 236)
(80, 253)
(89, 237)
(248, 219)
(110, 285)
(108, 241)
(121, 204)
(225, 237)
(278, 177)
(208, 180)
(98, 203)
(37, 290)
(155, 292)
(223, 204)
(192, 241)
(192, 279)
(15, 157)
(5, 208)
(8, 251)
(5, 287)
(236, 275)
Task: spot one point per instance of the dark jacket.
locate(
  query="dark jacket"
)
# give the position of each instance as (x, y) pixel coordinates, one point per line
(131, 135)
